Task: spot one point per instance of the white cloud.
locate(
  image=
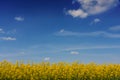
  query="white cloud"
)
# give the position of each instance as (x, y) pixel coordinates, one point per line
(7, 38)
(1, 30)
(96, 20)
(5, 33)
(12, 31)
(22, 53)
(47, 58)
(93, 47)
(92, 7)
(62, 30)
(19, 18)
(66, 33)
(74, 52)
(8, 32)
(91, 34)
(78, 13)
(115, 28)
(73, 2)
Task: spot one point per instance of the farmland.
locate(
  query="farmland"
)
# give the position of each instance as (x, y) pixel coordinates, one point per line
(58, 71)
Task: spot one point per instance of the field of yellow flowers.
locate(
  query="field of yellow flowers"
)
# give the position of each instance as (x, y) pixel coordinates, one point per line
(58, 71)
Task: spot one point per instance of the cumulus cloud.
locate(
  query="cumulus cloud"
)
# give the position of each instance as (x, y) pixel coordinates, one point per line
(8, 38)
(19, 18)
(74, 52)
(92, 7)
(78, 13)
(90, 34)
(115, 28)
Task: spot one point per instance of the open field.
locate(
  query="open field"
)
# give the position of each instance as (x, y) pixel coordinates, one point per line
(58, 71)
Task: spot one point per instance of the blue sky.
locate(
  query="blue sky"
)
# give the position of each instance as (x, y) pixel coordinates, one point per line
(60, 30)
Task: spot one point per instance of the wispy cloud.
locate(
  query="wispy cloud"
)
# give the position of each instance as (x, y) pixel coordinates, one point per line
(91, 34)
(8, 38)
(96, 20)
(1, 30)
(63, 32)
(92, 47)
(22, 53)
(11, 31)
(115, 28)
(6, 33)
(74, 52)
(92, 7)
(8, 55)
(19, 18)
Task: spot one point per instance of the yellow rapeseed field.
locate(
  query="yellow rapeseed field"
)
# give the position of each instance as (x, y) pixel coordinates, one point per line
(58, 71)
